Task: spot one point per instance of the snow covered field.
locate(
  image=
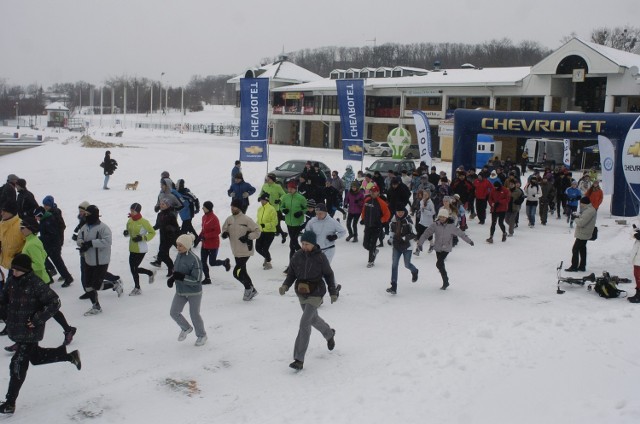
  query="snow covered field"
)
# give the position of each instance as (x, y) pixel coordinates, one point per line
(499, 346)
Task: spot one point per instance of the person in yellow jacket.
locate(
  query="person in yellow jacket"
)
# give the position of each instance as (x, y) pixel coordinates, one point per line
(275, 193)
(139, 231)
(11, 239)
(268, 222)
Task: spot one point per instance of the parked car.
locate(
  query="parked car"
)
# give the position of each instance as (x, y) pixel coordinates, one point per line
(411, 152)
(291, 170)
(366, 144)
(397, 165)
(381, 149)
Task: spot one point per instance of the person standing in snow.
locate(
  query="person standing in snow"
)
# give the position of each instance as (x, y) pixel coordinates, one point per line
(326, 229)
(237, 168)
(241, 232)
(585, 223)
(443, 230)
(311, 273)
(187, 277)
(210, 239)
(139, 231)
(533, 192)
(27, 304)
(401, 234)
(267, 219)
(635, 261)
(108, 167)
(26, 201)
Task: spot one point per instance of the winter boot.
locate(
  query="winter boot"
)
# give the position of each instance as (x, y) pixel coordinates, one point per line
(445, 284)
(331, 343)
(206, 281)
(267, 266)
(392, 290)
(296, 365)
(67, 282)
(414, 276)
(355, 239)
(284, 238)
(152, 277)
(75, 359)
(7, 407)
(68, 336)
(635, 298)
(504, 236)
(227, 264)
(490, 240)
(349, 237)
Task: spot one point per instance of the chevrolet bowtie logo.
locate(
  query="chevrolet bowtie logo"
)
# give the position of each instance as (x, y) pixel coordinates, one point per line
(634, 149)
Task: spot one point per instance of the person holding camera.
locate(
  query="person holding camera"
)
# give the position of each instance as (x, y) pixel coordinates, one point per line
(585, 223)
(312, 275)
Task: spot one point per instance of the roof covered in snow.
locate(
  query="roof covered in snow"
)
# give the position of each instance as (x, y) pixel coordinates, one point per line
(56, 106)
(282, 71)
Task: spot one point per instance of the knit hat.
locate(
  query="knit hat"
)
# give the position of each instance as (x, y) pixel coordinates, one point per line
(165, 174)
(93, 214)
(321, 207)
(186, 240)
(31, 224)
(21, 262)
(396, 180)
(48, 201)
(136, 207)
(271, 176)
(21, 182)
(12, 177)
(375, 189)
(236, 203)
(263, 196)
(316, 165)
(497, 184)
(208, 205)
(84, 205)
(443, 212)
(585, 200)
(292, 184)
(311, 203)
(309, 237)
(10, 206)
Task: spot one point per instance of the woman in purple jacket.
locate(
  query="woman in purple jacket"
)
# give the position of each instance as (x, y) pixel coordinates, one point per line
(353, 201)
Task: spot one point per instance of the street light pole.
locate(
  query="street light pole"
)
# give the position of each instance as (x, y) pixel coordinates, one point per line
(160, 99)
(17, 115)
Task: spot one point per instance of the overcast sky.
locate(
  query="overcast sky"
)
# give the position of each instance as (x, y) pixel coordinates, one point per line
(46, 41)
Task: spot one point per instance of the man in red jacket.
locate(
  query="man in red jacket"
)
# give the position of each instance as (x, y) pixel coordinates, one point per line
(499, 202)
(210, 238)
(482, 188)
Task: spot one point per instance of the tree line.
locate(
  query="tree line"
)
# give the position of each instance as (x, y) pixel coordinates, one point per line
(213, 89)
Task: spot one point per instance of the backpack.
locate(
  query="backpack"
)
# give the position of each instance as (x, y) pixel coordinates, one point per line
(606, 287)
(194, 203)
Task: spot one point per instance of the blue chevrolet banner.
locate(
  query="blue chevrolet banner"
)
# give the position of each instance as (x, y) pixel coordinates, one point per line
(351, 105)
(254, 105)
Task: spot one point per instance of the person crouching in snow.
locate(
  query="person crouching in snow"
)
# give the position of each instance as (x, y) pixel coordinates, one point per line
(443, 230)
(187, 277)
(401, 234)
(310, 270)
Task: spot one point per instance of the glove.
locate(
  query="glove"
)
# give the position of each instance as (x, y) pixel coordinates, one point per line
(125, 233)
(472, 243)
(332, 237)
(86, 246)
(156, 208)
(178, 275)
(244, 239)
(282, 290)
(277, 202)
(170, 281)
(362, 222)
(262, 225)
(74, 237)
(225, 235)
(636, 235)
(137, 239)
(245, 194)
(298, 214)
(230, 193)
(389, 241)
(334, 298)
(285, 211)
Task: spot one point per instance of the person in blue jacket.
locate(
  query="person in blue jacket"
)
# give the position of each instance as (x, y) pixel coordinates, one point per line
(241, 190)
(573, 195)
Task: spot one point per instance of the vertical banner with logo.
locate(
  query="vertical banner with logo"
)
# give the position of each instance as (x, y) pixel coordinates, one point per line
(566, 157)
(424, 136)
(254, 106)
(631, 158)
(351, 106)
(607, 161)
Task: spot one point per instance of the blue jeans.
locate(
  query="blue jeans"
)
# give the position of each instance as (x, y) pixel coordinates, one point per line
(531, 213)
(106, 181)
(396, 261)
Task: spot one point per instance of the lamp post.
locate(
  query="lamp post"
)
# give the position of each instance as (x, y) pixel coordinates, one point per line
(17, 115)
(160, 99)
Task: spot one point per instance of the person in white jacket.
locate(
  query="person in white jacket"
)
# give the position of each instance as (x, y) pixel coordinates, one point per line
(427, 212)
(635, 260)
(327, 230)
(533, 193)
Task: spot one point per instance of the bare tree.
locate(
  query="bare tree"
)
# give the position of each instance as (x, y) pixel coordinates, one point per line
(620, 38)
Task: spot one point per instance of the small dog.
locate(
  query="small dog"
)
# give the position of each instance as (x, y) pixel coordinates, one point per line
(131, 186)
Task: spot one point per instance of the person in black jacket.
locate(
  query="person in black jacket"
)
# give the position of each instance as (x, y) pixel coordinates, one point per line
(311, 272)
(28, 303)
(52, 228)
(8, 190)
(167, 223)
(108, 166)
(26, 201)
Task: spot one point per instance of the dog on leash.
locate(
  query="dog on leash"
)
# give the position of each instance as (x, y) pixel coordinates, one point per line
(131, 186)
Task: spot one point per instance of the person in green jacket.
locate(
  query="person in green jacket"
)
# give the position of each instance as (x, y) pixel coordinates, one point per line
(275, 192)
(293, 205)
(34, 249)
(139, 231)
(267, 219)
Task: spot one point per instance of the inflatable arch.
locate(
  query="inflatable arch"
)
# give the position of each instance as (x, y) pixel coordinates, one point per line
(622, 129)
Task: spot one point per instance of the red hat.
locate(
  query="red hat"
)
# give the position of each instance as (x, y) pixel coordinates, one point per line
(292, 184)
(375, 188)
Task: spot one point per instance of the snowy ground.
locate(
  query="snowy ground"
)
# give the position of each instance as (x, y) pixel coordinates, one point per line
(499, 346)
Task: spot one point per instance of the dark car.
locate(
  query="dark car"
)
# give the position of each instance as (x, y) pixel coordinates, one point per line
(291, 170)
(411, 152)
(397, 165)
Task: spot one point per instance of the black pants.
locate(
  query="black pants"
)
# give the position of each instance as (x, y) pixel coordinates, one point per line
(240, 272)
(55, 256)
(294, 245)
(499, 218)
(135, 259)
(263, 243)
(30, 353)
(370, 241)
(352, 224)
(60, 319)
(579, 254)
(440, 257)
(481, 209)
(166, 242)
(210, 256)
(93, 280)
(279, 226)
(187, 227)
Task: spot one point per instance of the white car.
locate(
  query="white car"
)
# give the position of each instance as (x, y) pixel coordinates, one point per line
(381, 149)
